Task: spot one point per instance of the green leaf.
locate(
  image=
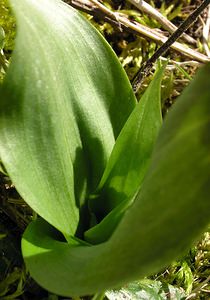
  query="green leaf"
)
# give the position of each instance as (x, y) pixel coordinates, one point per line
(63, 103)
(128, 163)
(147, 290)
(102, 231)
(169, 213)
(2, 169)
(2, 38)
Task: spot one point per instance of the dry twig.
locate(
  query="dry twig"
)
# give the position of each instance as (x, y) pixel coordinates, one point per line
(96, 8)
(145, 69)
(121, 21)
(155, 14)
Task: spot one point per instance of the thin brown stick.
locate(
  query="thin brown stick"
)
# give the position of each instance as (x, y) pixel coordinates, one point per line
(155, 14)
(198, 288)
(121, 21)
(145, 69)
(156, 36)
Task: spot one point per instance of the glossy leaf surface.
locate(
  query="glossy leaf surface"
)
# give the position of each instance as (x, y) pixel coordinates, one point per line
(128, 162)
(170, 211)
(63, 103)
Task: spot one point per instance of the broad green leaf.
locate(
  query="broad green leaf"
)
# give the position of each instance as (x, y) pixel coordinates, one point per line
(63, 103)
(128, 163)
(169, 213)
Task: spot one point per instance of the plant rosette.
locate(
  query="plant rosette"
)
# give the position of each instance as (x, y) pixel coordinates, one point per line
(118, 194)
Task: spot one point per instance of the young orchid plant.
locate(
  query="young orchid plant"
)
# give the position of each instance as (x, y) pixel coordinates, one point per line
(119, 194)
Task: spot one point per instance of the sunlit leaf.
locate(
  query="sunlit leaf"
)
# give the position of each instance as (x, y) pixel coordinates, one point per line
(128, 163)
(168, 214)
(63, 103)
